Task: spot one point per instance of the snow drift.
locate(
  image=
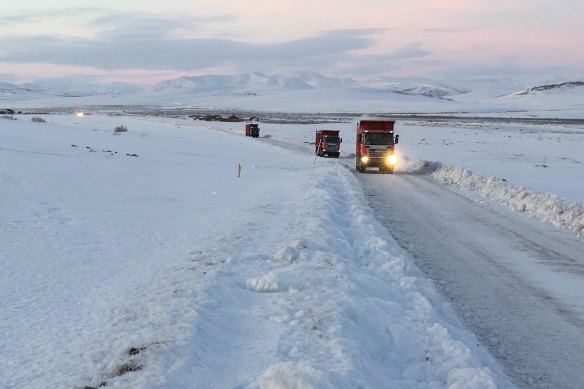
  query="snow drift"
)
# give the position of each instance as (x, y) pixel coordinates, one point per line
(546, 207)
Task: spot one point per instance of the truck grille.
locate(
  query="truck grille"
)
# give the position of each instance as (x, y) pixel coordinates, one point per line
(376, 154)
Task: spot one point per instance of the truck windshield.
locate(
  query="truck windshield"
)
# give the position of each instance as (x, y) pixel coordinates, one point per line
(379, 139)
(331, 139)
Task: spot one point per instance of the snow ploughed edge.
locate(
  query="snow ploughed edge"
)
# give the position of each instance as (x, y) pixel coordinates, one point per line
(546, 207)
(386, 323)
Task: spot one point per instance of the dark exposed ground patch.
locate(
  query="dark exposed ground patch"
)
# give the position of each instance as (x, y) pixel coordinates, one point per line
(126, 368)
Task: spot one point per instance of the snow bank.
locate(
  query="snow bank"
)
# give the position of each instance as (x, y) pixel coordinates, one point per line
(389, 319)
(546, 207)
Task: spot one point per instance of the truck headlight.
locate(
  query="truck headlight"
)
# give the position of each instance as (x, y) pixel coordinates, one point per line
(392, 159)
(364, 159)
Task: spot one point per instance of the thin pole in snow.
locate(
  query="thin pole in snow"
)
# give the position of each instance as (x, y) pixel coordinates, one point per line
(316, 153)
(238, 170)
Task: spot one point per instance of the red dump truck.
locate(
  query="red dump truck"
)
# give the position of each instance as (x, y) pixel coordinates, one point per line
(327, 143)
(252, 129)
(375, 145)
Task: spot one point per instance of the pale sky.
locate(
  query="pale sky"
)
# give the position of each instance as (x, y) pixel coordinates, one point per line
(148, 41)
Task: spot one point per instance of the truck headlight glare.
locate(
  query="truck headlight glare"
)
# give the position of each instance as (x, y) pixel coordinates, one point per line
(364, 159)
(392, 159)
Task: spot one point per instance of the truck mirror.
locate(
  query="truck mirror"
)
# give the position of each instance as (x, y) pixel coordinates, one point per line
(341, 140)
(396, 139)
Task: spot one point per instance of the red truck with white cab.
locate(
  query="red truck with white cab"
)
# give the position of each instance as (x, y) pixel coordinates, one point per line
(375, 145)
(252, 129)
(327, 143)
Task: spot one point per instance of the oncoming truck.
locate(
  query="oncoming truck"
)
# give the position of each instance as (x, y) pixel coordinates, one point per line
(375, 145)
(252, 129)
(327, 142)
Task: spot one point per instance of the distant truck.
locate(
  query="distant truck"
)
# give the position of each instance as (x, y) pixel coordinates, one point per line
(375, 145)
(327, 142)
(252, 129)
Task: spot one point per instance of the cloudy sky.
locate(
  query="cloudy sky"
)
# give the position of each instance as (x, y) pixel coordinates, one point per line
(147, 41)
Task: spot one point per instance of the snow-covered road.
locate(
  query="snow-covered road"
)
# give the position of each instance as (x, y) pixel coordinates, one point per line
(517, 283)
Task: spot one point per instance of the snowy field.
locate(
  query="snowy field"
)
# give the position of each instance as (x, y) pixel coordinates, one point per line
(143, 260)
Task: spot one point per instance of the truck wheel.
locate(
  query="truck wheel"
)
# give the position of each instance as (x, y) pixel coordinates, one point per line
(336, 155)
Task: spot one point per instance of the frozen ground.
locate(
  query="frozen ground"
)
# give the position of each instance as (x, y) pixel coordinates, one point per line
(142, 260)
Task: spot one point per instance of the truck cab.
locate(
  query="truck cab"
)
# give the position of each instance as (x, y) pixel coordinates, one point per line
(327, 142)
(252, 129)
(375, 145)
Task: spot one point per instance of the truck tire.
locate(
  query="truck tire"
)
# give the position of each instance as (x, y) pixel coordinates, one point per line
(336, 155)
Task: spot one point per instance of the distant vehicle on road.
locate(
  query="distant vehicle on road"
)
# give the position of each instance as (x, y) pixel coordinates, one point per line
(327, 143)
(375, 145)
(252, 129)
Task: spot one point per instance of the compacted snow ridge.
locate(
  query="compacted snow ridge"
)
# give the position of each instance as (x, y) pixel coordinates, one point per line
(336, 306)
(546, 207)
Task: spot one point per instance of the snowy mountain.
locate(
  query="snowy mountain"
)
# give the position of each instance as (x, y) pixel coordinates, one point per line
(10, 91)
(74, 87)
(553, 88)
(63, 87)
(416, 87)
(551, 100)
(233, 83)
(319, 81)
(304, 80)
(312, 92)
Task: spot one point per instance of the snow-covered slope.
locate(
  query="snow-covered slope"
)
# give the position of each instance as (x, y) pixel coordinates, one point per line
(250, 82)
(549, 100)
(72, 87)
(313, 92)
(416, 86)
(12, 93)
(564, 87)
